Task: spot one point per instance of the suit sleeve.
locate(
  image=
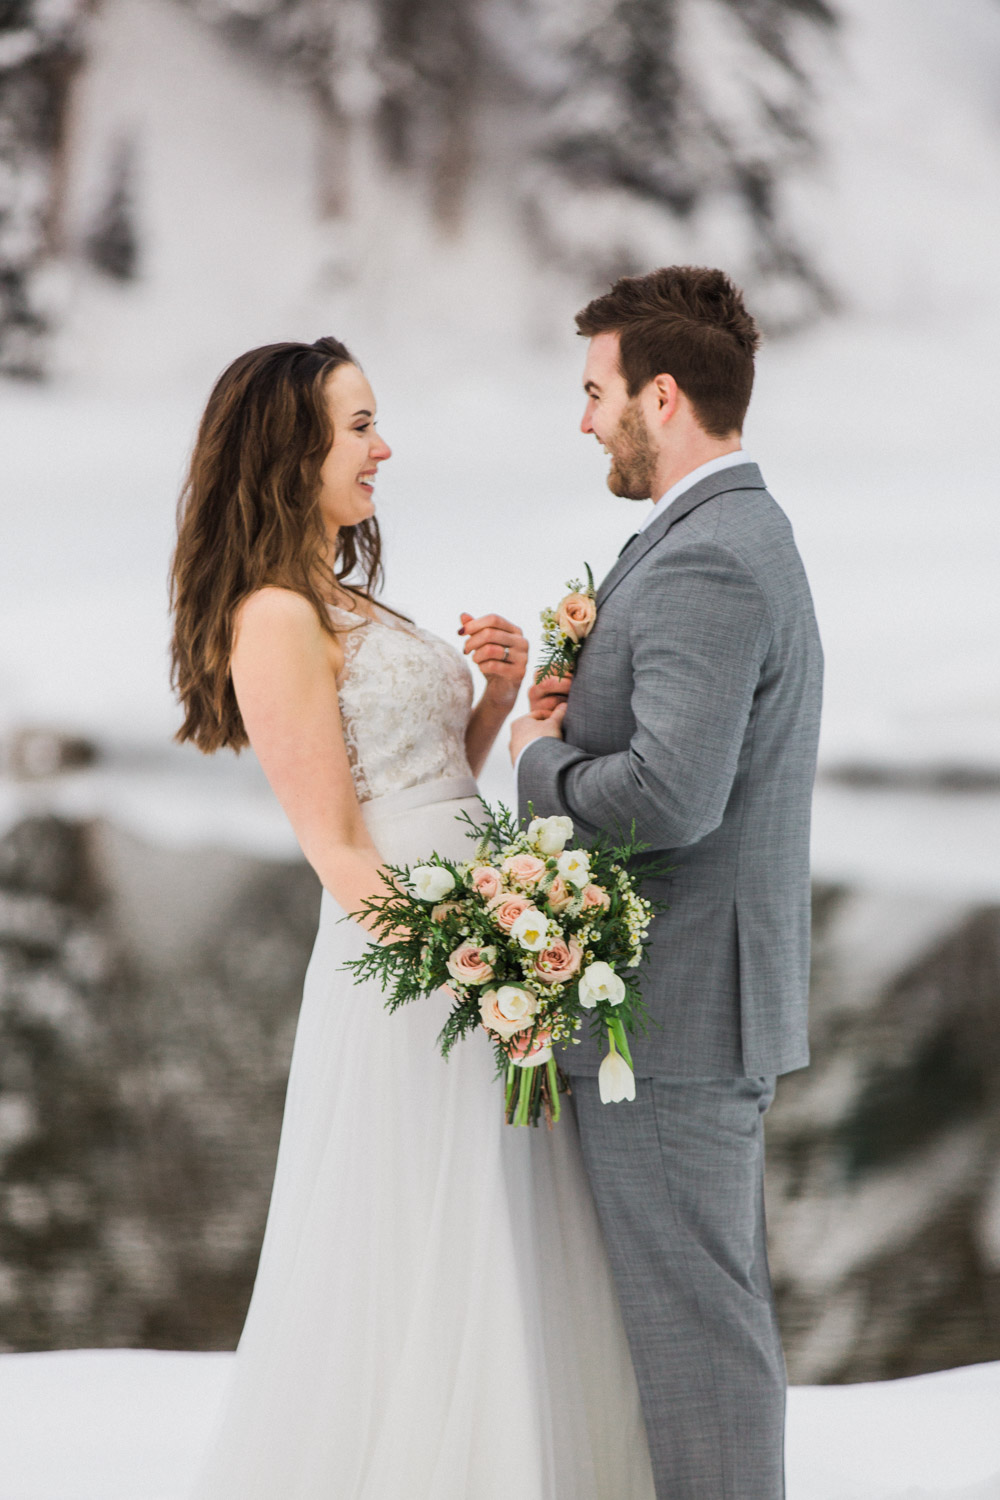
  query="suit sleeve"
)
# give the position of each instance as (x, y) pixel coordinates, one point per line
(698, 637)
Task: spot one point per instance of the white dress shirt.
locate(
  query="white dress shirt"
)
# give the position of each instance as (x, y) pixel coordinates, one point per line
(713, 466)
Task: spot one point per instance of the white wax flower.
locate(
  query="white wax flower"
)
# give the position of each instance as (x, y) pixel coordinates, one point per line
(531, 930)
(431, 882)
(600, 982)
(615, 1080)
(550, 835)
(574, 866)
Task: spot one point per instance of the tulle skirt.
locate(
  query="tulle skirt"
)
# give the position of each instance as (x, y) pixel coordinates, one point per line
(433, 1316)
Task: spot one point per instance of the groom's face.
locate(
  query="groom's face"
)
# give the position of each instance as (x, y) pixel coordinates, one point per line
(617, 421)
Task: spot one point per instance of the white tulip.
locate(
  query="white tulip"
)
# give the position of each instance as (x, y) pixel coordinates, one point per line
(600, 982)
(431, 882)
(615, 1080)
(574, 866)
(531, 930)
(550, 835)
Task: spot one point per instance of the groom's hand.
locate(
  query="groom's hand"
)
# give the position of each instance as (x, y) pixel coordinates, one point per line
(547, 695)
(531, 727)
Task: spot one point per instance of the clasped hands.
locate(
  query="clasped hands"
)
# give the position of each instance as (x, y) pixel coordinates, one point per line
(548, 709)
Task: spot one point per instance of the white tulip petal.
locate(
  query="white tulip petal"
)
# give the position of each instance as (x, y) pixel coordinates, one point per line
(600, 982)
(615, 1080)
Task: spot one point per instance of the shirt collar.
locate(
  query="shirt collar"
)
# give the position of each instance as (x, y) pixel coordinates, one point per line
(713, 466)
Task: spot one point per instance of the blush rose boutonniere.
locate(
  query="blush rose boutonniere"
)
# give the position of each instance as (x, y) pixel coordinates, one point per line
(566, 627)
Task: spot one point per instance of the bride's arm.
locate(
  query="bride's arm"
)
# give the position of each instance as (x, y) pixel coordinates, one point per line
(284, 669)
(486, 638)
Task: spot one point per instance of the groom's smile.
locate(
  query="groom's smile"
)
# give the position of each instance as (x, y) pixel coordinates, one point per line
(617, 422)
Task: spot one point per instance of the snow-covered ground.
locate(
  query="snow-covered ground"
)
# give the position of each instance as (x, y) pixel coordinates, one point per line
(130, 1425)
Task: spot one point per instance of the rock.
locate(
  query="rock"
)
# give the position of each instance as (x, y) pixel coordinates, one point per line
(883, 1155)
(140, 1100)
(32, 754)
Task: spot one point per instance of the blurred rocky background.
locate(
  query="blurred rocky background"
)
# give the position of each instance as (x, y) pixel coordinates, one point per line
(141, 1087)
(442, 185)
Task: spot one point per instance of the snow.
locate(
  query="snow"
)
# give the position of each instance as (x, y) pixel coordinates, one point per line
(130, 1425)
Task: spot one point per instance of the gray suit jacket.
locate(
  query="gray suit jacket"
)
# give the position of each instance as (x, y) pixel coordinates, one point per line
(694, 710)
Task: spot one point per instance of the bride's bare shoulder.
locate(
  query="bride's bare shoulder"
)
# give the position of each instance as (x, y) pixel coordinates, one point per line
(274, 605)
(274, 615)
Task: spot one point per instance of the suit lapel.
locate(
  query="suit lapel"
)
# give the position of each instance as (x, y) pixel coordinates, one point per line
(739, 477)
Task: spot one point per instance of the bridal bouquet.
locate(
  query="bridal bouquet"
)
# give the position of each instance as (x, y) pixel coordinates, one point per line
(532, 937)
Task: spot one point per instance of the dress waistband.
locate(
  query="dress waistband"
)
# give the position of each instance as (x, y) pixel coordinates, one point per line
(445, 789)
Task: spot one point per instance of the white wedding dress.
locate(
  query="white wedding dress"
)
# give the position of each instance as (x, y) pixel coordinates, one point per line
(433, 1316)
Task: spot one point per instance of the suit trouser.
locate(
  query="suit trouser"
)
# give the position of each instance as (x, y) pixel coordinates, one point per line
(677, 1176)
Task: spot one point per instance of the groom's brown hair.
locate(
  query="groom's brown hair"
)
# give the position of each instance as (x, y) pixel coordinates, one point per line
(688, 322)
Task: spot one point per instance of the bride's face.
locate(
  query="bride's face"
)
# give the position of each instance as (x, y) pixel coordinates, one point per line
(347, 478)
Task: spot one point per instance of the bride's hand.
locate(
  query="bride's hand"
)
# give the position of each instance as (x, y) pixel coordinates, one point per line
(499, 650)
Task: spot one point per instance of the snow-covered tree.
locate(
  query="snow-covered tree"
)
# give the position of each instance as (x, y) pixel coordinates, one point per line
(40, 43)
(622, 115)
(677, 108)
(625, 127)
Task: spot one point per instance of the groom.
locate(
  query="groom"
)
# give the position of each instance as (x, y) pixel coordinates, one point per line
(694, 710)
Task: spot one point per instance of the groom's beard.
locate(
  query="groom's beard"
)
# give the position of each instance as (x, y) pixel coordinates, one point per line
(633, 457)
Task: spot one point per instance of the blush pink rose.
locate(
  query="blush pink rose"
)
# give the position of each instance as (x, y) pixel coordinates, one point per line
(485, 882)
(594, 896)
(576, 615)
(558, 962)
(524, 869)
(507, 909)
(559, 894)
(470, 964)
(439, 912)
(522, 1048)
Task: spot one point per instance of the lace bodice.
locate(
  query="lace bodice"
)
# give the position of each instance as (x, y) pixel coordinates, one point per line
(405, 697)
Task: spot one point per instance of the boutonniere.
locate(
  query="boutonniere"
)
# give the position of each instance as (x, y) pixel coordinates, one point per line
(566, 628)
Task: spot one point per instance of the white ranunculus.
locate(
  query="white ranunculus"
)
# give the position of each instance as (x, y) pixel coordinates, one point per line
(615, 1079)
(507, 1010)
(514, 1002)
(431, 882)
(600, 982)
(550, 835)
(531, 930)
(574, 866)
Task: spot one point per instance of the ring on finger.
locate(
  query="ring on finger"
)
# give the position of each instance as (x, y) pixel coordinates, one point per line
(506, 653)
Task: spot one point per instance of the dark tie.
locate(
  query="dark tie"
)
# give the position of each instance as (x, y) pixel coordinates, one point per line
(629, 542)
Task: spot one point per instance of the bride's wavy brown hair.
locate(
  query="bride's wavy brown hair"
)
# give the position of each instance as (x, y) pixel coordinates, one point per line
(248, 515)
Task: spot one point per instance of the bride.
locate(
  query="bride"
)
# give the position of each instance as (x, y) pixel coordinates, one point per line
(433, 1316)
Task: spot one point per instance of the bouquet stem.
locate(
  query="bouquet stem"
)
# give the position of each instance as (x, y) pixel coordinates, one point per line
(536, 1089)
(618, 1040)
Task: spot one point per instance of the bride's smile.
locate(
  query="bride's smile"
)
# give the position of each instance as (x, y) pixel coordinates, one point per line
(347, 478)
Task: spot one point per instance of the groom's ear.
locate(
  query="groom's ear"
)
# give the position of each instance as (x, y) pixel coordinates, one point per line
(665, 394)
